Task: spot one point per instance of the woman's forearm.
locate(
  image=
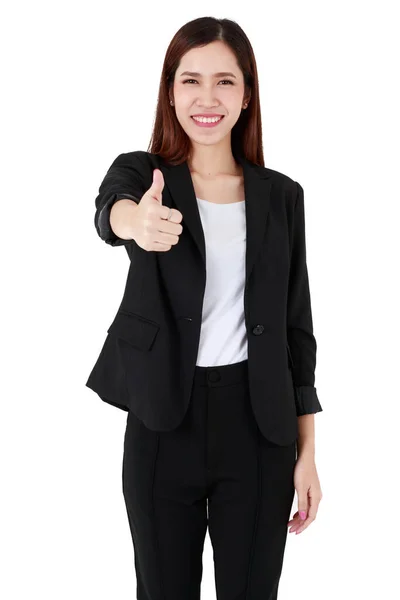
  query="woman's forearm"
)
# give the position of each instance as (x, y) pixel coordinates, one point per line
(121, 218)
(306, 437)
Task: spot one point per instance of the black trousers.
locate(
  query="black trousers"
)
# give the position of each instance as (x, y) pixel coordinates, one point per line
(215, 469)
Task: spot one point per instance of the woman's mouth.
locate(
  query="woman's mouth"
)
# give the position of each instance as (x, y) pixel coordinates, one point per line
(207, 122)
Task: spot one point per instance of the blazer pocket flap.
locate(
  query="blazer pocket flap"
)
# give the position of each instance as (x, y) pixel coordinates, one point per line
(138, 331)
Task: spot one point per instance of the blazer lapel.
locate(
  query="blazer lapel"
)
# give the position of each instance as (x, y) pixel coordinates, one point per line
(257, 189)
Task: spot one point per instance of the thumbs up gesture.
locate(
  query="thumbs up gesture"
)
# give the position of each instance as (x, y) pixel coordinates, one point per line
(150, 228)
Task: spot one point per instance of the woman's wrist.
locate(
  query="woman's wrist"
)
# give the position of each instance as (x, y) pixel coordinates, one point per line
(306, 436)
(120, 218)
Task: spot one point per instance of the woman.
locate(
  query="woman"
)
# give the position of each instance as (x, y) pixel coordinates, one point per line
(212, 351)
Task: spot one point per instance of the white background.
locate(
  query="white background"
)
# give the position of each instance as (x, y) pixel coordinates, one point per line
(80, 82)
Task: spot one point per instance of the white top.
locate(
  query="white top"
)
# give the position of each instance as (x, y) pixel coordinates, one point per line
(223, 336)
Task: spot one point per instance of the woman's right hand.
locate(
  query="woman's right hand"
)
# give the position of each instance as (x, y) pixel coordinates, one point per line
(150, 228)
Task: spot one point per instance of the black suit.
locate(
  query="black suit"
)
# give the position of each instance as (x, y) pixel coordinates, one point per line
(149, 356)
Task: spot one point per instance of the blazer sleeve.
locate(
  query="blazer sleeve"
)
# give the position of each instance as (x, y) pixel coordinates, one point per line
(301, 340)
(124, 179)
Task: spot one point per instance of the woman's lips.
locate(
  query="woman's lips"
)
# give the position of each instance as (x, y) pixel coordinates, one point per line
(207, 124)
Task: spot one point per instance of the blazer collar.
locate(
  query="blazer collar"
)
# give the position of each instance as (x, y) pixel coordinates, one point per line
(257, 187)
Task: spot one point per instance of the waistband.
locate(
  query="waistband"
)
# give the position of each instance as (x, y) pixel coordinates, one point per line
(221, 375)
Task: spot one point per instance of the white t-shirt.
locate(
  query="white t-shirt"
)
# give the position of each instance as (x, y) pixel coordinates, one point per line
(223, 336)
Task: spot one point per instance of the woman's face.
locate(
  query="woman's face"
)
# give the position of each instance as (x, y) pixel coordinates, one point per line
(208, 91)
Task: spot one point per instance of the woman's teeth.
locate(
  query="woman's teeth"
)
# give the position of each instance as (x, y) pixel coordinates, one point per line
(207, 119)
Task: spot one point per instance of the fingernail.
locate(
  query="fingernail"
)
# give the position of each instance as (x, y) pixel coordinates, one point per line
(302, 514)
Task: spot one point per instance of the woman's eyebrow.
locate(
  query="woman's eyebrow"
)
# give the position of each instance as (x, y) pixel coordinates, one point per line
(220, 74)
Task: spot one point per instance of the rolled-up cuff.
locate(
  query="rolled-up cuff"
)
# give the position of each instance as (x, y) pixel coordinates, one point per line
(306, 399)
(103, 220)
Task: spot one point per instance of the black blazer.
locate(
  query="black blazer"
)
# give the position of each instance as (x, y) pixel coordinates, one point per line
(148, 358)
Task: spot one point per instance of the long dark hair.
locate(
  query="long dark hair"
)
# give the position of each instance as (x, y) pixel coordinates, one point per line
(168, 138)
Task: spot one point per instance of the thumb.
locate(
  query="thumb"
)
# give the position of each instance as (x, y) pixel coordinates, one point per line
(157, 186)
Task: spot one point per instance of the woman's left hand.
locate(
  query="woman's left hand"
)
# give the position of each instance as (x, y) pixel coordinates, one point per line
(309, 493)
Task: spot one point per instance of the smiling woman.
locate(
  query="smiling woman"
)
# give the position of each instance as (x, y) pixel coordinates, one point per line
(212, 350)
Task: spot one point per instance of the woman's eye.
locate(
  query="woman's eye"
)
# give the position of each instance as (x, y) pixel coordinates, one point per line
(226, 80)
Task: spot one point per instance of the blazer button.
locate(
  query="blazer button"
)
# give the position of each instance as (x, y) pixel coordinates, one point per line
(258, 329)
